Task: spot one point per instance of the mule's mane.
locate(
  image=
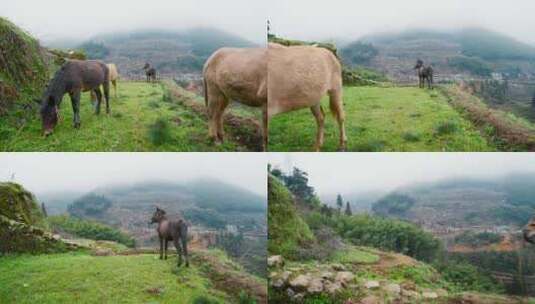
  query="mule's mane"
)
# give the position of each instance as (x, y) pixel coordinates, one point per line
(56, 87)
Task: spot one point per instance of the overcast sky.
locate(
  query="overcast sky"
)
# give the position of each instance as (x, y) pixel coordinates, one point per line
(51, 172)
(362, 172)
(335, 19)
(82, 19)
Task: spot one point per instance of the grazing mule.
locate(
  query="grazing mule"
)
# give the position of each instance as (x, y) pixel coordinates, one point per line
(425, 74)
(298, 77)
(239, 75)
(528, 231)
(74, 77)
(150, 72)
(171, 230)
(113, 76)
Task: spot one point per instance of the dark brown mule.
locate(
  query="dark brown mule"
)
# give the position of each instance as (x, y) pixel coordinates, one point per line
(74, 77)
(425, 74)
(171, 230)
(150, 72)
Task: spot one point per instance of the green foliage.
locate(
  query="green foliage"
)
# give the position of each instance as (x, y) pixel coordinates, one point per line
(358, 52)
(473, 65)
(23, 71)
(465, 276)
(95, 50)
(287, 230)
(389, 234)
(393, 204)
(17, 203)
(91, 205)
(89, 229)
(446, 128)
(159, 132)
(471, 238)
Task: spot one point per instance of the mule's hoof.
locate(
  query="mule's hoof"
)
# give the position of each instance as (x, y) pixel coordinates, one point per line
(161, 258)
(77, 125)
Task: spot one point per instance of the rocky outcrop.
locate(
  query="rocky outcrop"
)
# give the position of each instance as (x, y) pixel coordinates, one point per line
(18, 237)
(333, 280)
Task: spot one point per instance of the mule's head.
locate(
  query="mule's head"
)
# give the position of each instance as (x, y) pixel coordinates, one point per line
(157, 216)
(419, 64)
(49, 114)
(528, 232)
(146, 66)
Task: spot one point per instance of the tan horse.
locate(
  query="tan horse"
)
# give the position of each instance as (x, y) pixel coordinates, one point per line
(113, 77)
(239, 75)
(298, 77)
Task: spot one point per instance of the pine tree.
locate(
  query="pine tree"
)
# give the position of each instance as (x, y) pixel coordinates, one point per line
(348, 209)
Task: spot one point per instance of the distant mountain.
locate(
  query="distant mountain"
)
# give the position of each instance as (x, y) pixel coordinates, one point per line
(205, 203)
(170, 52)
(471, 51)
(461, 202)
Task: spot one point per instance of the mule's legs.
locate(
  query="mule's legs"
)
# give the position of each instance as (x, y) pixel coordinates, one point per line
(114, 83)
(165, 248)
(161, 249)
(75, 101)
(317, 111)
(178, 251)
(184, 239)
(337, 107)
(106, 87)
(99, 100)
(216, 105)
(219, 120)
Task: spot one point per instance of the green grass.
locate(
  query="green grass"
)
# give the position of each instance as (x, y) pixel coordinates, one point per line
(81, 278)
(383, 119)
(138, 107)
(354, 255)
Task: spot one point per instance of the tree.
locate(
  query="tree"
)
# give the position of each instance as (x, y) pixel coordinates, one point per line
(348, 210)
(339, 202)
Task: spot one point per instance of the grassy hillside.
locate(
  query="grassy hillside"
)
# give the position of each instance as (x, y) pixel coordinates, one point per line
(137, 278)
(352, 269)
(287, 230)
(23, 71)
(383, 119)
(143, 118)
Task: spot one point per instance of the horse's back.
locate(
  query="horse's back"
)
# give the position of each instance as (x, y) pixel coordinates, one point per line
(299, 76)
(238, 73)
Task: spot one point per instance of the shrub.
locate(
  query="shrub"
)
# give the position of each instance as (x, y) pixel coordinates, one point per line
(159, 132)
(446, 127)
(89, 229)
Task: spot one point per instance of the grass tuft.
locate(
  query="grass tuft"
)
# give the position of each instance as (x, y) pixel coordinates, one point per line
(159, 132)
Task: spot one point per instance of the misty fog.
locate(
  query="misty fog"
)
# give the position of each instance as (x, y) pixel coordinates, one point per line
(347, 20)
(382, 172)
(80, 20)
(54, 172)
